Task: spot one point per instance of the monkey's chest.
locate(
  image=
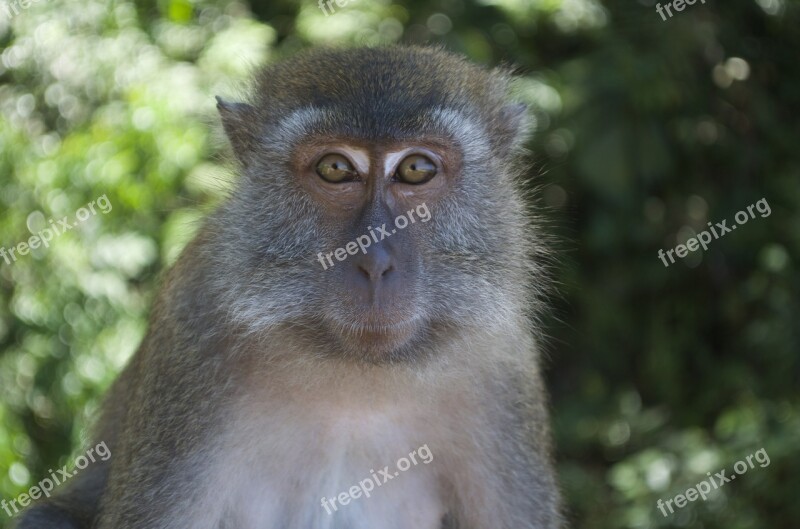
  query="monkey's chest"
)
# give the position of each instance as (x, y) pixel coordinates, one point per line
(334, 470)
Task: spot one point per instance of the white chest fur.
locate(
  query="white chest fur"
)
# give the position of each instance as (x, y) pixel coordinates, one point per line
(281, 482)
(281, 457)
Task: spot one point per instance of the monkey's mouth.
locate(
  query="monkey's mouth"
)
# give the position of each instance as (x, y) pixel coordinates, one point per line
(374, 337)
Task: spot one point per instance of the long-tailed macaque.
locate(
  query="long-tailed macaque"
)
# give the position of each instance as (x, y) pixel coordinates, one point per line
(369, 288)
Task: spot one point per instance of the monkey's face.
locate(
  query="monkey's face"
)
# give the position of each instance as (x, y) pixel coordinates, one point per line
(373, 200)
(377, 202)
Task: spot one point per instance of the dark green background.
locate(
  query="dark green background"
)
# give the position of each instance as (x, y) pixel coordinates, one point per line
(646, 131)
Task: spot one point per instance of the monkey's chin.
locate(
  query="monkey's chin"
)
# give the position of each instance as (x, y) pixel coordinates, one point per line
(380, 343)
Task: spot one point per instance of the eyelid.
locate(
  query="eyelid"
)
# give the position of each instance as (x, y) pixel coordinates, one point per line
(358, 158)
(392, 161)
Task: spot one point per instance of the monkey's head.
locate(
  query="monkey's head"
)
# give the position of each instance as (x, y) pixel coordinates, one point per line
(376, 206)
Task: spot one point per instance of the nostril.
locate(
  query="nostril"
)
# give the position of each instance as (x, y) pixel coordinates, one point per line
(376, 273)
(376, 265)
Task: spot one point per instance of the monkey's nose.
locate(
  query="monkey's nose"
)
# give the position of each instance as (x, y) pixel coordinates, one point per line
(376, 265)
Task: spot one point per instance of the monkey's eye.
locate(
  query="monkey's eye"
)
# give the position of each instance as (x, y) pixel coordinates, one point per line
(416, 169)
(336, 168)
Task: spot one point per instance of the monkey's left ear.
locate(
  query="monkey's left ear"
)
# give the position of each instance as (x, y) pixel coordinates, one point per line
(237, 120)
(515, 126)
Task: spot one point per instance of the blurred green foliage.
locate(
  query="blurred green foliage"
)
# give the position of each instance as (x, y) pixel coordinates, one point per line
(646, 131)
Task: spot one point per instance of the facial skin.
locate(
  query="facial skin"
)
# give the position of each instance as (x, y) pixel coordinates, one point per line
(378, 311)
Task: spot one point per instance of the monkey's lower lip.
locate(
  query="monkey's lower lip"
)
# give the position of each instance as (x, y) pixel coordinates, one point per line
(384, 327)
(382, 335)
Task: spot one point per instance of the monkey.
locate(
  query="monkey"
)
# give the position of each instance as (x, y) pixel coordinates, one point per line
(267, 386)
